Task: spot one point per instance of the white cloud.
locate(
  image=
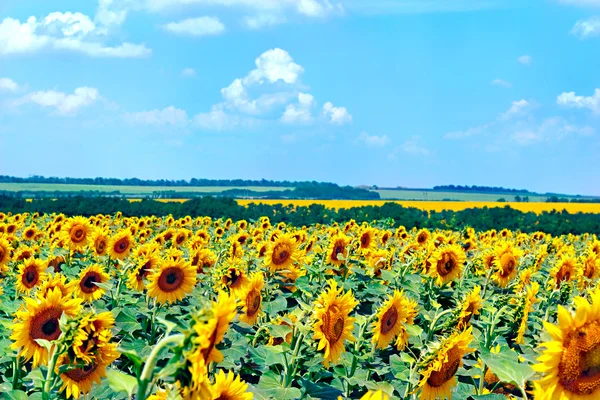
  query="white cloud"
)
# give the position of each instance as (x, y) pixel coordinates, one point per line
(309, 8)
(61, 31)
(201, 26)
(8, 85)
(550, 129)
(571, 100)
(518, 108)
(188, 73)
(263, 21)
(501, 82)
(299, 113)
(373, 141)
(336, 115)
(525, 60)
(109, 13)
(169, 116)
(216, 120)
(63, 103)
(274, 65)
(586, 28)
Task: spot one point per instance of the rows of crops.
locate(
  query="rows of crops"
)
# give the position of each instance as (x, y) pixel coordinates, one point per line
(109, 307)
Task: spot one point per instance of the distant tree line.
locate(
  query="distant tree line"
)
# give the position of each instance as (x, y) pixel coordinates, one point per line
(556, 223)
(478, 189)
(162, 182)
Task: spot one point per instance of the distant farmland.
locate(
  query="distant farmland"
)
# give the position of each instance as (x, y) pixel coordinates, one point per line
(126, 190)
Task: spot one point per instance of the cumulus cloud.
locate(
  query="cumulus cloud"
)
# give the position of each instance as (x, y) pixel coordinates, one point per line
(550, 129)
(201, 26)
(525, 59)
(501, 82)
(63, 103)
(61, 31)
(261, 21)
(8, 85)
(216, 120)
(474, 131)
(586, 28)
(299, 113)
(373, 140)
(274, 65)
(169, 116)
(517, 108)
(571, 100)
(336, 115)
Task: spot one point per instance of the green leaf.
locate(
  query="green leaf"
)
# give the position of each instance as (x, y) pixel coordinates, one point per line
(121, 382)
(127, 321)
(490, 396)
(15, 395)
(506, 366)
(319, 390)
(399, 368)
(269, 384)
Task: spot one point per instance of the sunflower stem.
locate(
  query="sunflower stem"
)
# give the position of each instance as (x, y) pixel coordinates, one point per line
(434, 321)
(49, 381)
(16, 372)
(148, 371)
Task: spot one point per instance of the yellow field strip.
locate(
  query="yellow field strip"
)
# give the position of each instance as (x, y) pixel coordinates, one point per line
(440, 205)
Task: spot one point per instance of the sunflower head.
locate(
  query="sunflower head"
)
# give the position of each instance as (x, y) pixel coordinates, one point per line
(120, 244)
(338, 246)
(251, 298)
(86, 286)
(447, 263)
(392, 318)
(171, 281)
(31, 274)
(76, 232)
(282, 252)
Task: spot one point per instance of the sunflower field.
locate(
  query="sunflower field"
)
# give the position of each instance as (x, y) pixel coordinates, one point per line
(113, 307)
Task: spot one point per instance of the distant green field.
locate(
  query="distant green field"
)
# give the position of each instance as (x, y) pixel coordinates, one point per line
(459, 196)
(129, 190)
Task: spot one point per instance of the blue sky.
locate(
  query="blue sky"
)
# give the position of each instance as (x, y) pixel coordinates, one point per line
(390, 92)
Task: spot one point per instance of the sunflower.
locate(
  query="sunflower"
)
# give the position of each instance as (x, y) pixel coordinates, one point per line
(391, 319)
(120, 245)
(447, 263)
(590, 265)
(251, 298)
(144, 266)
(505, 263)
(100, 240)
(470, 307)
(38, 319)
(229, 387)
(366, 240)
(333, 324)
(203, 259)
(282, 253)
(77, 381)
(85, 287)
(569, 363)
(235, 250)
(423, 237)
(565, 269)
(211, 332)
(338, 244)
(31, 273)
(378, 395)
(76, 232)
(234, 278)
(172, 281)
(56, 280)
(530, 300)
(438, 377)
(29, 233)
(5, 250)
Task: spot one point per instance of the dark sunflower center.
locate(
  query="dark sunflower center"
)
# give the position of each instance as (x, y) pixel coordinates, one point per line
(30, 276)
(579, 367)
(365, 239)
(252, 303)
(388, 320)
(446, 265)
(45, 325)
(447, 371)
(338, 329)
(121, 245)
(49, 327)
(170, 279)
(88, 283)
(80, 374)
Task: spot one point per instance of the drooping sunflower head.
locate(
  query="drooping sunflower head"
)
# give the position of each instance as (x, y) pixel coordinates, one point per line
(392, 318)
(447, 263)
(234, 277)
(5, 251)
(282, 253)
(86, 286)
(338, 245)
(171, 281)
(470, 307)
(31, 274)
(53, 281)
(569, 364)
(76, 232)
(333, 324)
(251, 298)
(145, 264)
(438, 376)
(120, 244)
(565, 270)
(203, 259)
